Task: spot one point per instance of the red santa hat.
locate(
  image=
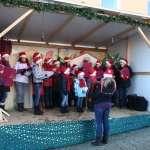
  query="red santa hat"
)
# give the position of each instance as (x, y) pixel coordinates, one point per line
(92, 72)
(98, 62)
(108, 73)
(22, 54)
(74, 66)
(80, 73)
(65, 70)
(124, 60)
(47, 60)
(67, 59)
(37, 60)
(55, 62)
(85, 61)
(109, 62)
(36, 55)
(4, 54)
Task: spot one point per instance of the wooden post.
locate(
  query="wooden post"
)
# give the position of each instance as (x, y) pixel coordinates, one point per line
(127, 48)
(58, 52)
(16, 22)
(143, 36)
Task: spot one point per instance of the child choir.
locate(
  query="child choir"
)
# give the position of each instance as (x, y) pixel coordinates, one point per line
(55, 91)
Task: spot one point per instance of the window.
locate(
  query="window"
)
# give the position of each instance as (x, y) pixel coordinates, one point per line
(113, 4)
(148, 7)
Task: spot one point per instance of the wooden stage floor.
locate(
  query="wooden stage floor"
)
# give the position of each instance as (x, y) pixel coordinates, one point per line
(54, 115)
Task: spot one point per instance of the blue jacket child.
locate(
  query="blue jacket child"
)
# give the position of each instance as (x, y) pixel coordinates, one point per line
(80, 89)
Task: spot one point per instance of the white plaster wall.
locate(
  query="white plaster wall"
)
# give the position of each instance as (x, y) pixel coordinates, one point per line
(139, 60)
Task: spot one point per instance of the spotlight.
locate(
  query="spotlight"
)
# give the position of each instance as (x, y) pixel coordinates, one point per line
(112, 41)
(42, 36)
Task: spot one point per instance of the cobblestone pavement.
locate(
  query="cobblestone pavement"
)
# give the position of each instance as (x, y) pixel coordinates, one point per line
(133, 140)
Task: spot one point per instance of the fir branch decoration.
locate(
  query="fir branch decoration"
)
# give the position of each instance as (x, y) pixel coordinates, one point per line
(82, 12)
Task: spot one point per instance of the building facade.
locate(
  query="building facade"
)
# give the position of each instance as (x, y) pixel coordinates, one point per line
(134, 6)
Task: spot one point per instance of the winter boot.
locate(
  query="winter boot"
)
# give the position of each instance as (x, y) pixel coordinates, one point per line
(22, 107)
(105, 138)
(50, 104)
(40, 107)
(97, 142)
(81, 110)
(62, 110)
(37, 111)
(78, 109)
(19, 107)
(3, 107)
(46, 103)
(66, 109)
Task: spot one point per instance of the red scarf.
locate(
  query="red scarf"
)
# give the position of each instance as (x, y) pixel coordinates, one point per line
(48, 67)
(81, 83)
(98, 68)
(93, 79)
(26, 63)
(69, 81)
(0, 62)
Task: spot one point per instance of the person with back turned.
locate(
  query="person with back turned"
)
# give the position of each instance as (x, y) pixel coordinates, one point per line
(102, 94)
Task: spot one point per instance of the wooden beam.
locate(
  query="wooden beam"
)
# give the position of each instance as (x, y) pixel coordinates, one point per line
(57, 46)
(141, 73)
(143, 36)
(16, 22)
(128, 48)
(24, 26)
(89, 33)
(59, 29)
(115, 37)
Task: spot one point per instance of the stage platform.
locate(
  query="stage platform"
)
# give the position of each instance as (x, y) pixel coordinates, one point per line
(54, 115)
(28, 132)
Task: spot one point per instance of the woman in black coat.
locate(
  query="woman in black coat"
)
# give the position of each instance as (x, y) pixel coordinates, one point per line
(103, 94)
(123, 82)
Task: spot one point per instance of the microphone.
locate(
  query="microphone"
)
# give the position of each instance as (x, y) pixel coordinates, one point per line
(42, 36)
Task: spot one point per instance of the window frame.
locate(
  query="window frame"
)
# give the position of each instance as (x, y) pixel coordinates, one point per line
(118, 4)
(148, 3)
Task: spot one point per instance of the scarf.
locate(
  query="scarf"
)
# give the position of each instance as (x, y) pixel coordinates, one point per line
(69, 82)
(0, 62)
(98, 68)
(28, 64)
(81, 83)
(48, 67)
(93, 79)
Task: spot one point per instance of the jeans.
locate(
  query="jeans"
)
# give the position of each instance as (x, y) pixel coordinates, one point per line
(48, 92)
(3, 98)
(37, 88)
(79, 101)
(20, 89)
(123, 96)
(101, 116)
(64, 100)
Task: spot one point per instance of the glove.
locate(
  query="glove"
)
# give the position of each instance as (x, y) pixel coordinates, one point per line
(83, 91)
(65, 93)
(23, 72)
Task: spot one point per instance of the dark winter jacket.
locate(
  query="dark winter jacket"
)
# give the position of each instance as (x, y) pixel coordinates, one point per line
(105, 95)
(63, 84)
(120, 81)
(56, 82)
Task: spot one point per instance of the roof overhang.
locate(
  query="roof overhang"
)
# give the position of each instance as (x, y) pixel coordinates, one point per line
(88, 28)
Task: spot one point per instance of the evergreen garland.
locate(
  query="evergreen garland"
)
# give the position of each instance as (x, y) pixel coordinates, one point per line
(82, 12)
